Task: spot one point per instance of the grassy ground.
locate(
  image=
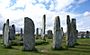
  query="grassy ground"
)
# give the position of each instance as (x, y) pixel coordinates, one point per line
(45, 49)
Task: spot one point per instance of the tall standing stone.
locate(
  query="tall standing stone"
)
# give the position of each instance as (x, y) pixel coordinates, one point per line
(87, 34)
(7, 41)
(21, 34)
(37, 33)
(73, 32)
(43, 27)
(50, 34)
(69, 37)
(12, 32)
(75, 29)
(3, 28)
(57, 36)
(29, 39)
(77, 34)
(13, 26)
(3, 31)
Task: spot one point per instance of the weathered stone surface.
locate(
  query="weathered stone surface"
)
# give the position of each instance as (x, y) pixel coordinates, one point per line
(7, 41)
(87, 34)
(43, 27)
(3, 28)
(50, 34)
(73, 32)
(29, 39)
(57, 36)
(62, 32)
(69, 38)
(12, 32)
(3, 32)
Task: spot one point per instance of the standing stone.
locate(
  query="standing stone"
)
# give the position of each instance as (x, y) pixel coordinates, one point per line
(87, 34)
(43, 27)
(77, 34)
(57, 37)
(13, 26)
(3, 28)
(73, 32)
(82, 35)
(3, 31)
(37, 34)
(29, 39)
(21, 34)
(49, 34)
(12, 32)
(7, 41)
(69, 38)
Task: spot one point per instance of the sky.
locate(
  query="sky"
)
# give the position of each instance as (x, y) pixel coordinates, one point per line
(16, 10)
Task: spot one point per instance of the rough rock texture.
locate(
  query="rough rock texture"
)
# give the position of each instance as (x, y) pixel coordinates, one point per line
(7, 41)
(29, 39)
(12, 32)
(57, 36)
(43, 27)
(50, 34)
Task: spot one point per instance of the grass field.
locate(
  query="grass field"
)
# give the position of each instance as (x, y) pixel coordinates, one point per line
(45, 49)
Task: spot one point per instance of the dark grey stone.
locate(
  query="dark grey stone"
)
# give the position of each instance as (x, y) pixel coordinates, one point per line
(12, 32)
(50, 34)
(37, 33)
(29, 39)
(43, 27)
(87, 34)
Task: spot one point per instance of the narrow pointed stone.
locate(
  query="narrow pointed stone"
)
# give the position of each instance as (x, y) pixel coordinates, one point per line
(43, 26)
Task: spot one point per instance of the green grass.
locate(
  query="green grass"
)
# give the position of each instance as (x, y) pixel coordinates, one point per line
(45, 49)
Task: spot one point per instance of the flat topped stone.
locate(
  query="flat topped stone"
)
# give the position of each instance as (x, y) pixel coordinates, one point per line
(29, 39)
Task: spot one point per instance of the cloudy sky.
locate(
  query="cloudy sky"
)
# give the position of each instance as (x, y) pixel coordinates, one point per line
(16, 10)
